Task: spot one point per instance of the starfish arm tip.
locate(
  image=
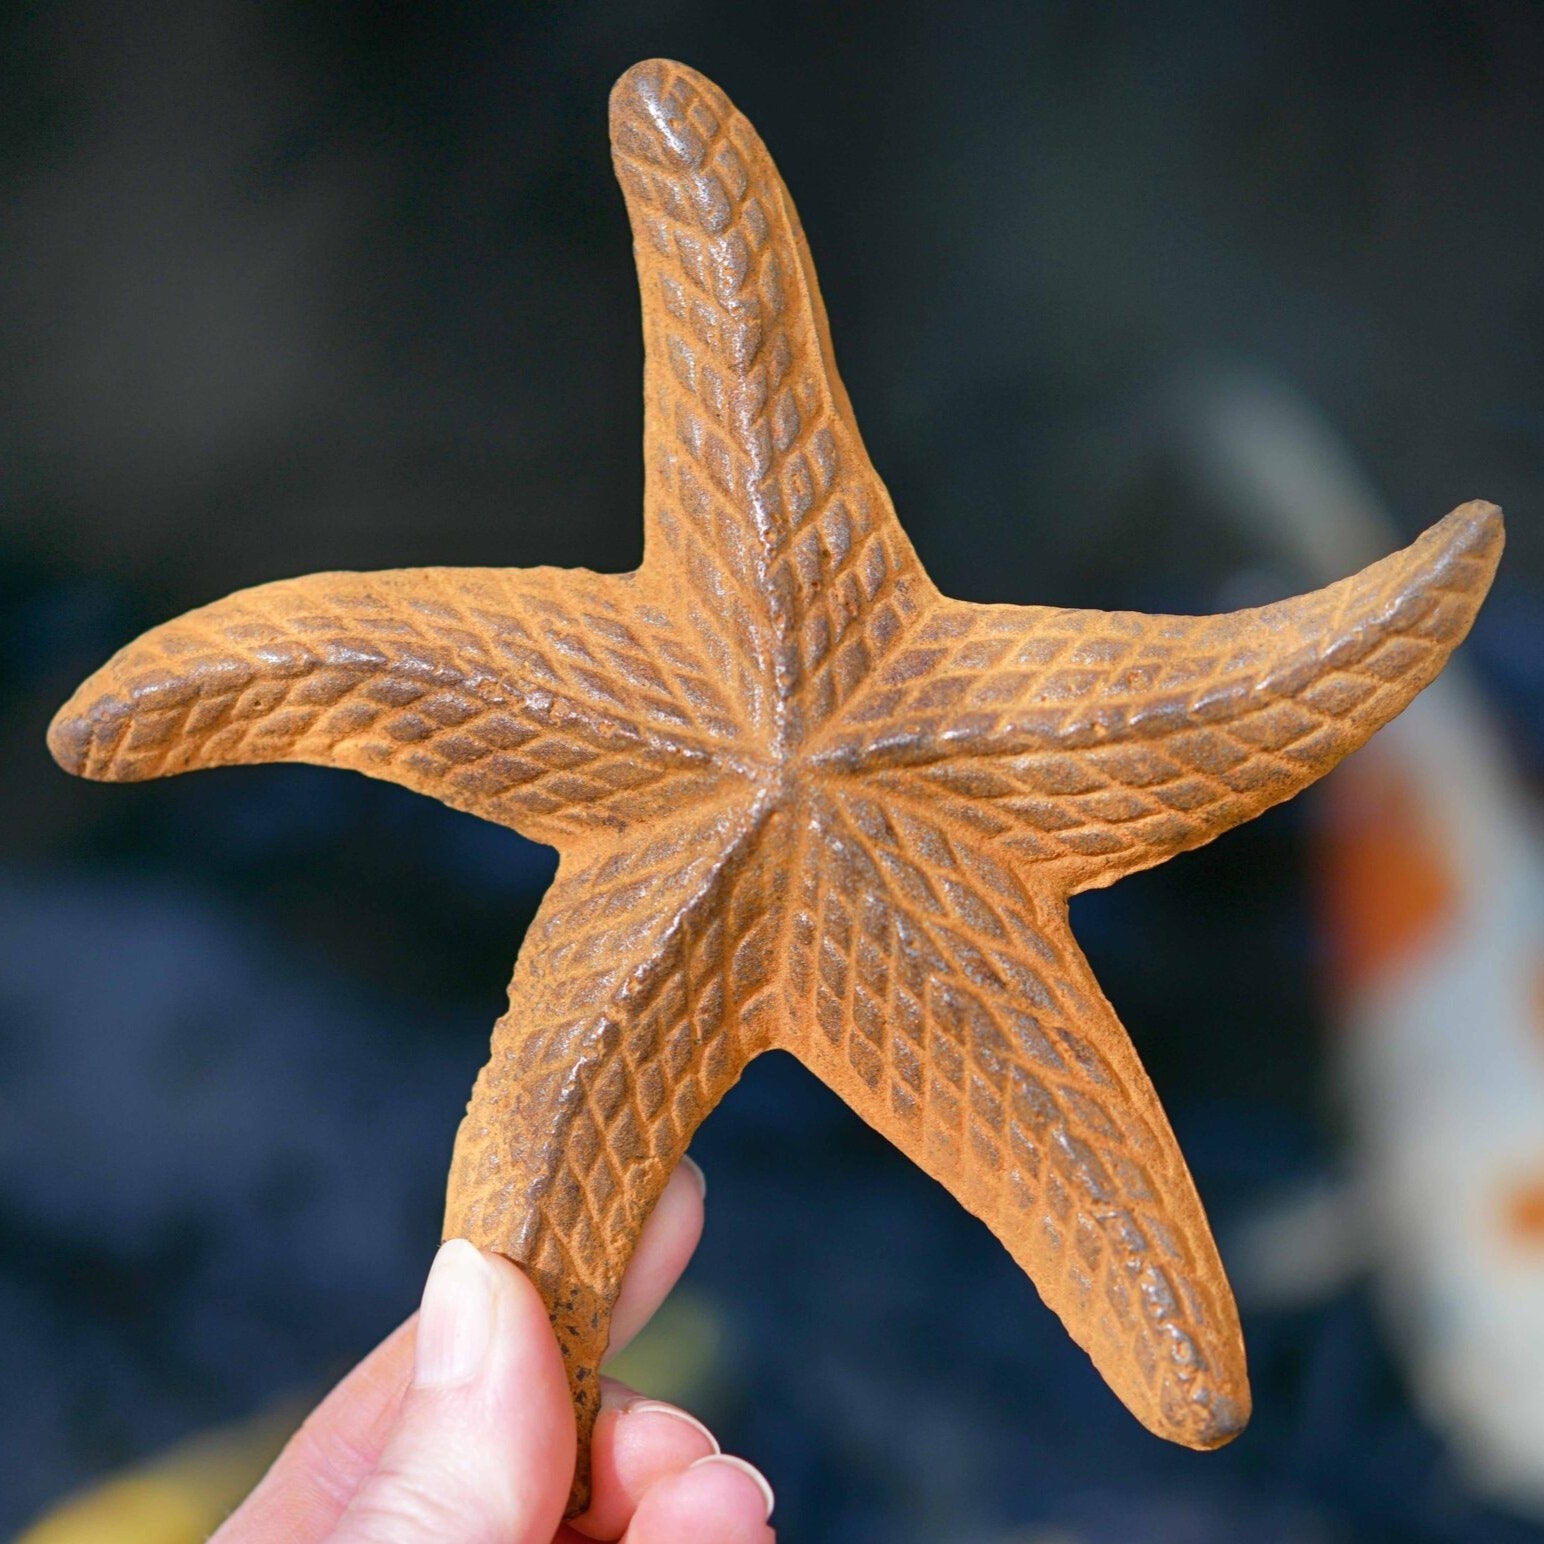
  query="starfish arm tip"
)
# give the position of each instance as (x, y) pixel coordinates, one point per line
(1475, 527)
(645, 71)
(1198, 1405)
(1459, 554)
(85, 732)
(1220, 1421)
(69, 739)
(640, 88)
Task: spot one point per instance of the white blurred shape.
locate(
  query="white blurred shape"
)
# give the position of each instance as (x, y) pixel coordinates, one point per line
(1434, 877)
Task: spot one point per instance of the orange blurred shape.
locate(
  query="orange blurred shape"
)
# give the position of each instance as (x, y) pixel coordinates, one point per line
(1525, 1212)
(1385, 887)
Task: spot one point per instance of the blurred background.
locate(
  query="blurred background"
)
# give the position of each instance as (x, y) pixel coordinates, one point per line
(1116, 289)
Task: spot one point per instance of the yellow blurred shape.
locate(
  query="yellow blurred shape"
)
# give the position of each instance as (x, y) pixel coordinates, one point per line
(178, 1497)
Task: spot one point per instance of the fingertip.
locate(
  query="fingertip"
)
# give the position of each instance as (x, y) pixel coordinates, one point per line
(635, 1447)
(728, 1461)
(519, 1299)
(719, 1497)
(664, 1247)
(652, 1411)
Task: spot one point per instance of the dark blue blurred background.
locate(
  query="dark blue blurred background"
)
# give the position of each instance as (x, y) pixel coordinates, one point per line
(300, 286)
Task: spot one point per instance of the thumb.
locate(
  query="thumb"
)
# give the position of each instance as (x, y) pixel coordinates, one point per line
(483, 1448)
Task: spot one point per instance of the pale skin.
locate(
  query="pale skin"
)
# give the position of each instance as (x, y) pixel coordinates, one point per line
(459, 1425)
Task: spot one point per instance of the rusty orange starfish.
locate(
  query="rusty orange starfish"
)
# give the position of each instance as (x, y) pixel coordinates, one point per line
(804, 800)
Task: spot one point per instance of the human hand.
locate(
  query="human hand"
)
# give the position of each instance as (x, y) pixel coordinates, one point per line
(458, 1428)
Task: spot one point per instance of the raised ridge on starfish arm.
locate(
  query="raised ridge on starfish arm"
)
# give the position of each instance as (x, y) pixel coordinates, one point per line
(640, 994)
(554, 701)
(1105, 742)
(758, 491)
(951, 1007)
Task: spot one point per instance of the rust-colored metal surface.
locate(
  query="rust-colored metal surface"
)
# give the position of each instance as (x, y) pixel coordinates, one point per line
(804, 800)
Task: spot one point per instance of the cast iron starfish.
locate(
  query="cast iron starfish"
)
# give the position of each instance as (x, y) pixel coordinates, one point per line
(804, 800)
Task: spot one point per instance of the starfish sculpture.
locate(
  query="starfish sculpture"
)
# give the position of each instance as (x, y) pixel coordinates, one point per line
(803, 800)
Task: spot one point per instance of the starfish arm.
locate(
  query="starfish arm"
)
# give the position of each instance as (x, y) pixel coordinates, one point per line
(637, 1000)
(1105, 742)
(554, 701)
(760, 497)
(950, 1006)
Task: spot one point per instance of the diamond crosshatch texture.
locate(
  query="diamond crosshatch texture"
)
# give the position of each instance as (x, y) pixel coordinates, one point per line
(803, 800)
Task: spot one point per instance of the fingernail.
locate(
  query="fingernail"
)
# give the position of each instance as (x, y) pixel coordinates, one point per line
(455, 1321)
(747, 1469)
(694, 1168)
(659, 1407)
